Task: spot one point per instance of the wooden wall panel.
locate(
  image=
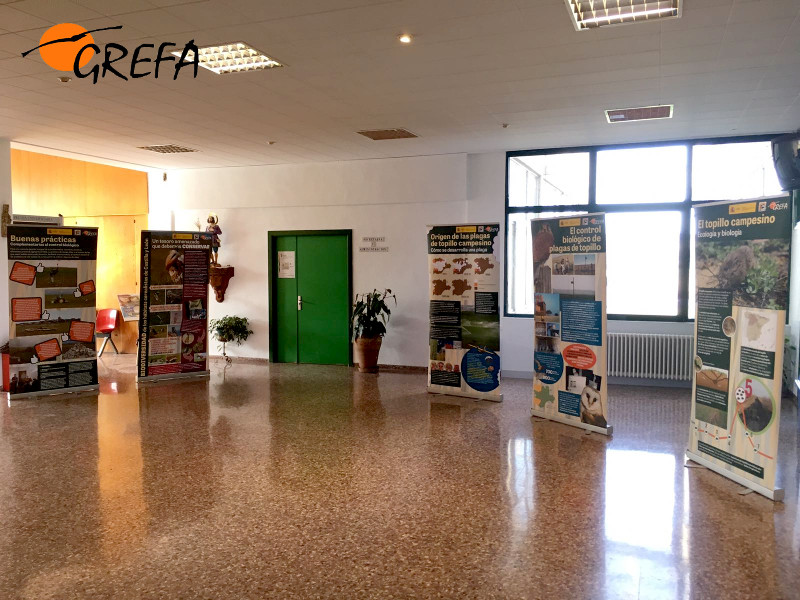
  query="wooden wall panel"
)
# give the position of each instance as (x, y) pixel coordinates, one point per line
(113, 199)
(52, 185)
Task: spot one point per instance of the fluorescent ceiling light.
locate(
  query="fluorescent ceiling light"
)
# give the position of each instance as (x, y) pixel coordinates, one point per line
(588, 14)
(232, 58)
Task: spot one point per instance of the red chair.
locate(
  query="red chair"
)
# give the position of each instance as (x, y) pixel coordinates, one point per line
(106, 324)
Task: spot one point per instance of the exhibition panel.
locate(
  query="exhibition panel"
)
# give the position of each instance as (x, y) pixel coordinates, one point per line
(173, 314)
(569, 275)
(464, 275)
(742, 275)
(51, 288)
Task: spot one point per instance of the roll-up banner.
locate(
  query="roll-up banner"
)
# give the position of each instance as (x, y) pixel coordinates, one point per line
(742, 275)
(173, 316)
(51, 290)
(569, 336)
(464, 272)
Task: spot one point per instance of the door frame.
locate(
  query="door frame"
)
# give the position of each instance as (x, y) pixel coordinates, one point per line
(272, 237)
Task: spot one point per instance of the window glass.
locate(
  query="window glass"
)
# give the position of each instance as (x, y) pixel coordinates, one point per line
(642, 256)
(520, 259)
(733, 171)
(641, 175)
(549, 179)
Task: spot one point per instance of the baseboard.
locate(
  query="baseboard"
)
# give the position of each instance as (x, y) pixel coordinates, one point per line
(399, 368)
(244, 360)
(516, 374)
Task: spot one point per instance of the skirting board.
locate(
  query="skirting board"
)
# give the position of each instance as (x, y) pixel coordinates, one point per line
(602, 431)
(776, 494)
(84, 390)
(475, 395)
(166, 377)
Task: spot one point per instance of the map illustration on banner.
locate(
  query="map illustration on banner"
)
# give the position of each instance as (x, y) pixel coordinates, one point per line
(742, 275)
(173, 317)
(569, 336)
(51, 285)
(464, 272)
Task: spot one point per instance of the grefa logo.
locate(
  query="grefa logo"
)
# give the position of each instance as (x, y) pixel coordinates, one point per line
(70, 47)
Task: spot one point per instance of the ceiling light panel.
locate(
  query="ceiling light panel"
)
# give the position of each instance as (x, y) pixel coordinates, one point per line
(641, 113)
(232, 58)
(589, 14)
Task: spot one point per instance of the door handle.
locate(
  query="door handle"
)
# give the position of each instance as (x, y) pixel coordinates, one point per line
(299, 303)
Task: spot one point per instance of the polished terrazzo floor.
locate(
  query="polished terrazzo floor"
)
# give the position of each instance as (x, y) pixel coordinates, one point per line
(317, 482)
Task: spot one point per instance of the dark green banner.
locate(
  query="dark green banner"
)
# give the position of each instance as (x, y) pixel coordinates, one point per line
(572, 234)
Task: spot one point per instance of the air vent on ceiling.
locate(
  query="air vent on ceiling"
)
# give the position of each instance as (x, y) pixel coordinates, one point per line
(387, 134)
(589, 14)
(642, 113)
(167, 149)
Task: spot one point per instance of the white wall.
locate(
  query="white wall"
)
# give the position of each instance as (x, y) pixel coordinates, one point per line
(5, 198)
(395, 198)
(392, 197)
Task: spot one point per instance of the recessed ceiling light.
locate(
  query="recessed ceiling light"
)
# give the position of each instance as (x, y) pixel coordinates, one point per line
(641, 113)
(588, 14)
(405, 38)
(232, 58)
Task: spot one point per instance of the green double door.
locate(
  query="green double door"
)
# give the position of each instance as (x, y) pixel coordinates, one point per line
(311, 304)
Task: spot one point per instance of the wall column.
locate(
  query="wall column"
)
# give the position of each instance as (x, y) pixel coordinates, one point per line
(5, 198)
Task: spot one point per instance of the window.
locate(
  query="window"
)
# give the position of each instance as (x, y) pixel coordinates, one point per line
(643, 283)
(549, 179)
(733, 171)
(641, 175)
(647, 192)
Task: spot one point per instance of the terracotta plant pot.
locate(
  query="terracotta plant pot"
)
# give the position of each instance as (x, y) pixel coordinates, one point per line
(366, 350)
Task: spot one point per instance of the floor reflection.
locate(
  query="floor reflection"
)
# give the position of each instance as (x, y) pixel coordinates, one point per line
(300, 481)
(640, 523)
(119, 467)
(520, 481)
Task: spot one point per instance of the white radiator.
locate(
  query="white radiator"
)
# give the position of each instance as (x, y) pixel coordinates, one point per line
(650, 355)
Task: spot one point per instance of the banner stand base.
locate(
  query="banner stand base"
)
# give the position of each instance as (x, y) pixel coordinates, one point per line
(76, 392)
(474, 395)
(776, 494)
(169, 377)
(601, 430)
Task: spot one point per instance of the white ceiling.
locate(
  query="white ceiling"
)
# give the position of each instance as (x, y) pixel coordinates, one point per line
(731, 67)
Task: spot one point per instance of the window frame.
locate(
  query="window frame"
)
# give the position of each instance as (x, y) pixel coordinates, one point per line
(684, 207)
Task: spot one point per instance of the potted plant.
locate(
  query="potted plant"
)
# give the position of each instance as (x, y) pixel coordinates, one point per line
(230, 329)
(370, 315)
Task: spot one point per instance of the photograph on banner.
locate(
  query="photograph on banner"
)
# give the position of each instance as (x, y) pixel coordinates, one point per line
(129, 306)
(742, 294)
(173, 321)
(464, 274)
(51, 286)
(569, 341)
